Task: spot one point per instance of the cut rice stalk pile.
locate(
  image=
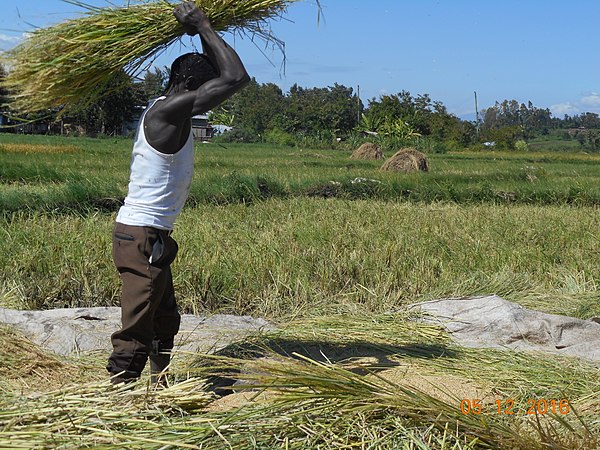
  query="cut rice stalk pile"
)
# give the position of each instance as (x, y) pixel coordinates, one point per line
(71, 63)
(368, 150)
(27, 368)
(291, 400)
(407, 160)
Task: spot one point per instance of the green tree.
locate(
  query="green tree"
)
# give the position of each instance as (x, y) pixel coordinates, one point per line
(256, 108)
(593, 139)
(392, 107)
(465, 133)
(113, 110)
(317, 110)
(418, 116)
(589, 120)
(504, 137)
(116, 108)
(370, 122)
(221, 116)
(415, 111)
(490, 118)
(511, 114)
(153, 85)
(398, 129)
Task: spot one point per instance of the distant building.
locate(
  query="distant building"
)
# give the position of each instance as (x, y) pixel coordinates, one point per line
(220, 129)
(201, 129)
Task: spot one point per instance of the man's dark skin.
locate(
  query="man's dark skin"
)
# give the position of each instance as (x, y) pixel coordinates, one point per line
(167, 125)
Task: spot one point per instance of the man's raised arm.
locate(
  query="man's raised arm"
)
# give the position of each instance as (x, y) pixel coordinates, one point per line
(232, 75)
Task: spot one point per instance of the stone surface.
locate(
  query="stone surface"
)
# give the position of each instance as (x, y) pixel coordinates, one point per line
(492, 322)
(485, 322)
(68, 331)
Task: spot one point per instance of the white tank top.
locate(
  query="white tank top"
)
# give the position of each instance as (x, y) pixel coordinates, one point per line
(159, 183)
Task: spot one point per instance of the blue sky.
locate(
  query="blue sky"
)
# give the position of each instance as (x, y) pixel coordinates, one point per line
(539, 50)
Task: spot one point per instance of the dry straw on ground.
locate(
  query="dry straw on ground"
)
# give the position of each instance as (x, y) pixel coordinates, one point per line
(37, 148)
(26, 367)
(72, 62)
(368, 150)
(407, 160)
(316, 388)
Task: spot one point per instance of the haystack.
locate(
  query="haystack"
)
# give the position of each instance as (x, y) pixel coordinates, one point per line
(368, 150)
(407, 160)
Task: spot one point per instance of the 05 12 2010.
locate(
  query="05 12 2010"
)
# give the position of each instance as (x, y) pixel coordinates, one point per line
(509, 406)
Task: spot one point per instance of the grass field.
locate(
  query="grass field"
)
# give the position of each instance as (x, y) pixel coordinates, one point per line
(93, 173)
(303, 256)
(334, 249)
(280, 232)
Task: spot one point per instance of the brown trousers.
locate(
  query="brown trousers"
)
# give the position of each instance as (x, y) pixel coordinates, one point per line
(150, 320)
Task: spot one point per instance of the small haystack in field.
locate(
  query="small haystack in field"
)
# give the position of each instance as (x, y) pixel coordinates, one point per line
(368, 150)
(407, 160)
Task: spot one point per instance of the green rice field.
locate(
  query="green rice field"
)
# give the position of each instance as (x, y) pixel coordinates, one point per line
(282, 232)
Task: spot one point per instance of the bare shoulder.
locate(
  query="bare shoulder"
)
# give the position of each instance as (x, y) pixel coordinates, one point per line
(173, 109)
(164, 130)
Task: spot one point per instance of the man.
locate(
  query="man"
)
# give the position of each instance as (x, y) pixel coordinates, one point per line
(161, 175)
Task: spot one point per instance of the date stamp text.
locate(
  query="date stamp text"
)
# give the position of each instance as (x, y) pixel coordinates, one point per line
(508, 406)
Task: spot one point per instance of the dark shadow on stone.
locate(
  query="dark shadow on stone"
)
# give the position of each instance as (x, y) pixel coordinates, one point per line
(319, 351)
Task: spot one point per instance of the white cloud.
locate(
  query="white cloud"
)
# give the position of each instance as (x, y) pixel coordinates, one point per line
(591, 100)
(564, 108)
(588, 102)
(7, 41)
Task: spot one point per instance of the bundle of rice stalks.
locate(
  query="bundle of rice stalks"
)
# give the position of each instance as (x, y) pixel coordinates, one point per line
(407, 160)
(314, 404)
(72, 62)
(368, 150)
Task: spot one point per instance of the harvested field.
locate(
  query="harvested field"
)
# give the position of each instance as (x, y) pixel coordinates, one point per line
(346, 369)
(37, 148)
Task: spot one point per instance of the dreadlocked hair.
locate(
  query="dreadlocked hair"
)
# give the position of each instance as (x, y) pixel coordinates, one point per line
(195, 65)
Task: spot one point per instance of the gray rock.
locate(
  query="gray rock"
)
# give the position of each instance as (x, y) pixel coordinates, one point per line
(492, 322)
(69, 331)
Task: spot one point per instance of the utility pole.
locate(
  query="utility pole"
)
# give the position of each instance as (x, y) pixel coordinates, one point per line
(476, 115)
(358, 105)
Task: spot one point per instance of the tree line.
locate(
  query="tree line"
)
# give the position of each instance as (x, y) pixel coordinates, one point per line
(508, 122)
(322, 116)
(121, 100)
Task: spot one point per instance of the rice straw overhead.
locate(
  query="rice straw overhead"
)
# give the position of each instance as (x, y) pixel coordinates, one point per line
(70, 63)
